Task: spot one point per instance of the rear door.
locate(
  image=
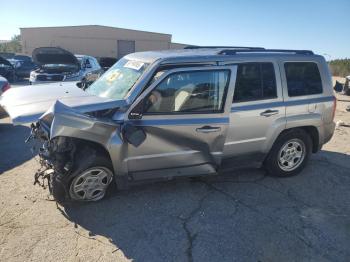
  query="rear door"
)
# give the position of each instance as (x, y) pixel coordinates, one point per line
(257, 113)
(186, 118)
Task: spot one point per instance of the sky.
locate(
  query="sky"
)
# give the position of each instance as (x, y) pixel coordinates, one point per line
(322, 26)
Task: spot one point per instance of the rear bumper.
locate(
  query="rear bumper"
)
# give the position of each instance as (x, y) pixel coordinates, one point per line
(328, 132)
(325, 134)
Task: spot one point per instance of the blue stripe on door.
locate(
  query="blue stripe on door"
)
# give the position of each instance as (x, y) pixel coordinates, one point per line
(235, 108)
(183, 121)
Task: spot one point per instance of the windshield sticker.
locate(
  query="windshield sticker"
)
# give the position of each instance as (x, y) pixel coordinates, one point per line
(112, 76)
(134, 65)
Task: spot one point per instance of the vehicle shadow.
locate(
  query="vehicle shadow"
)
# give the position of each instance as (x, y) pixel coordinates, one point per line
(13, 150)
(150, 222)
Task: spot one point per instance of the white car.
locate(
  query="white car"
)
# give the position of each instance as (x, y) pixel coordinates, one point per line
(57, 65)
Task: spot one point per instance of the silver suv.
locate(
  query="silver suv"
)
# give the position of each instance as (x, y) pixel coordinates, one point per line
(182, 113)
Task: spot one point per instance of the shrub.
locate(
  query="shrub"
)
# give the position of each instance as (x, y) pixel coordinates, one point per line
(13, 46)
(340, 67)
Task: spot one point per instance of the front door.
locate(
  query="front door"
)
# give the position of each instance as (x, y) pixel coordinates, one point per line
(186, 118)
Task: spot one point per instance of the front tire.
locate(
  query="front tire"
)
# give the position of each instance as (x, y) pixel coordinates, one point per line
(90, 180)
(90, 185)
(289, 154)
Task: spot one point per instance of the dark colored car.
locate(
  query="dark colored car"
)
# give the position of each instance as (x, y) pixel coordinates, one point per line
(22, 57)
(23, 67)
(7, 55)
(107, 62)
(7, 70)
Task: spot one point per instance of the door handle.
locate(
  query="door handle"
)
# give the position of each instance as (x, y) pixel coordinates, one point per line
(269, 112)
(208, 129)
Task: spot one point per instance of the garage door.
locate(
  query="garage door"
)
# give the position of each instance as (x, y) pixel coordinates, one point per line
(125, 47)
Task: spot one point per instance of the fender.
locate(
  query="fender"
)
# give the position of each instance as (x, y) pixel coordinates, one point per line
(68, 122)
(295, 121)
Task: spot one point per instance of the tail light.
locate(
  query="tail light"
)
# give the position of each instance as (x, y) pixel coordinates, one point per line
(6, 87)
(334, 107)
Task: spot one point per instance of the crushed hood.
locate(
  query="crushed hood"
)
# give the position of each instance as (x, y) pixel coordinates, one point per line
(4, 61)
(26, 104)
(54, 55)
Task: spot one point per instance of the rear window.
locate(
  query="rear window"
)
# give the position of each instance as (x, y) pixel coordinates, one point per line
(255, 81)
(303, 78)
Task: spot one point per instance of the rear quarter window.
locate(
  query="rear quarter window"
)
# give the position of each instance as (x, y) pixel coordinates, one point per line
(303, 78)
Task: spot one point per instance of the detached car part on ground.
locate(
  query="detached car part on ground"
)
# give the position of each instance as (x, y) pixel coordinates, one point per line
(57, 64)
(346, 88)
(179, 113)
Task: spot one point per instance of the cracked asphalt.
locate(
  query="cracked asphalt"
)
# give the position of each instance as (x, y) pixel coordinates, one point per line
(237, 216)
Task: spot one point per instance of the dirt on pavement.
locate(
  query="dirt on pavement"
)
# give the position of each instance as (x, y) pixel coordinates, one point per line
(238, 216)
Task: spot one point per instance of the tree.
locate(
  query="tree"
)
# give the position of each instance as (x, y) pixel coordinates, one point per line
(13, 46)
(340, 67)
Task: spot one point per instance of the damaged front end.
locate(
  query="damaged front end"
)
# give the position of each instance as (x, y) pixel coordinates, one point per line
(55, 156)
(66, 140)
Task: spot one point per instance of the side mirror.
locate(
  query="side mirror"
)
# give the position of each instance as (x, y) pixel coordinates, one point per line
(88, 66)
(133, 135)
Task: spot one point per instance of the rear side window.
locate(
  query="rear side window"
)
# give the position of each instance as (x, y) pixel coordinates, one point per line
(255, 81)
(303, 78)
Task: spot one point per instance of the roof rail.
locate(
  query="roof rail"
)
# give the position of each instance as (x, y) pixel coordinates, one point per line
(223, 47)
(252, 50)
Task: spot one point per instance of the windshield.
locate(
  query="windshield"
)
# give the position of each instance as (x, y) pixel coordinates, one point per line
(118, 80)
(14, 62)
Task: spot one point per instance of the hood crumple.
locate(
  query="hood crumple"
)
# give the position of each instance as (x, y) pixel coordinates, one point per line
(26, 104)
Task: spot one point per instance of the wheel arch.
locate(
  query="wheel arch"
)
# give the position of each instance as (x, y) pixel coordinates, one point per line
(81, 145)
(312, 131)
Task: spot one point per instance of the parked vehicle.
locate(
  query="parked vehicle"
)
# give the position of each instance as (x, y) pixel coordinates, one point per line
(180, 113)
(107, 62)
(7, 55)
(4, 86)
(22, 58)
(22, 67)
(7, 70)
(57, 64)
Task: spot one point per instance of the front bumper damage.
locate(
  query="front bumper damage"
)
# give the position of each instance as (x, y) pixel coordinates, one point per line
(55, 156)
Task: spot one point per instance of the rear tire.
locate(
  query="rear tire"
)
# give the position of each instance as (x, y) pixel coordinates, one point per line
(289, 154)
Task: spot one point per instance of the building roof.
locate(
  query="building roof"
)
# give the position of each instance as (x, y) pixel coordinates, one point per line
(102, 26)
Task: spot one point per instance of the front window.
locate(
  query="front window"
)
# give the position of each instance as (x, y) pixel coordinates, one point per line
(118, 80)
(192, 91)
